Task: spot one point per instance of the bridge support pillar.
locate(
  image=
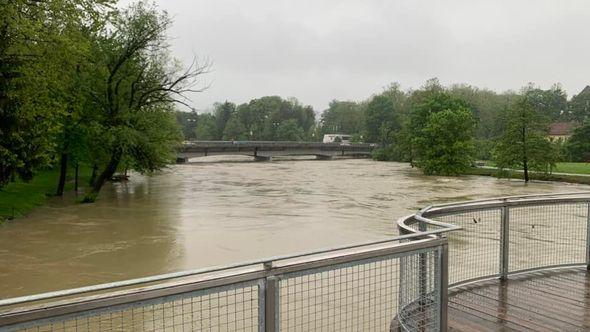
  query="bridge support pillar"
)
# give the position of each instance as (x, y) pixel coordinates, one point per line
(323, 157)
(263, 158)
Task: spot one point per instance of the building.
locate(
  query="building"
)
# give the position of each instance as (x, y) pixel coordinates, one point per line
(561, 130)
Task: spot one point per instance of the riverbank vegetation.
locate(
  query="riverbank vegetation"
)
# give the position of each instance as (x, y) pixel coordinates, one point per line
(83, 82)
(20, 197)
(441, 130)
(540, 176)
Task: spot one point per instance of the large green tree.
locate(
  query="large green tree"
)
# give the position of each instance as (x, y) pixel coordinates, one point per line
(382, 121)
(289, 130)
(430, 99)
(39, 46)
(223, 112)
(550, 103)
(206, 128)
(578, 146)
(524, 145)
(261, 118)
(446, 143)
(346, 117)
(579, 105)
(135, 79)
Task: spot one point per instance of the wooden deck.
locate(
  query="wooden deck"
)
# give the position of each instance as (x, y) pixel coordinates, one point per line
(539, 301)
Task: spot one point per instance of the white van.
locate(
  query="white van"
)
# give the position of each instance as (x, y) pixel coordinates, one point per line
(337, 138)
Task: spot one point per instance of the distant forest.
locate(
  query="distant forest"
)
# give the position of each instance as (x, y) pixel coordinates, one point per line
(371, 120)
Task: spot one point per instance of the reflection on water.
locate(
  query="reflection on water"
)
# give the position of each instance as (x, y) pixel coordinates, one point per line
(214, 213)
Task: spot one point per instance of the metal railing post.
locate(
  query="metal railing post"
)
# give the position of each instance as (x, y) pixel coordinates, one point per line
(443, 265)
(588, 238)
(270, 299)
(504, 242)
(261, 305)
(271, 305)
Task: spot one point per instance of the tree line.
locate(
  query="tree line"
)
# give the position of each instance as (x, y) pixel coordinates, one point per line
(85, 82)
(442, 130)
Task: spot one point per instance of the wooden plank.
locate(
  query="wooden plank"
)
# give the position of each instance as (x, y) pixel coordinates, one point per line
(539, 304)
(540, 301)
(492, 318)
(462, 320)
(518, 313)
(501, 313)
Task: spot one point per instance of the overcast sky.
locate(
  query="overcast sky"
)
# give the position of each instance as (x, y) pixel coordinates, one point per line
(317, 50)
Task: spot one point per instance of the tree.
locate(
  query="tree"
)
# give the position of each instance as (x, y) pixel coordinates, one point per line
(223, 112)
(551, 103)
(35, 40)
(289, 130)
(381, 121)
(260, 118)
(188, 123)
(578, 146)
(429, 100)
(446, 142)
(234, 130)
(206, 128)
(344, 117)
(524, 145)
(135, 78)
(579, 106)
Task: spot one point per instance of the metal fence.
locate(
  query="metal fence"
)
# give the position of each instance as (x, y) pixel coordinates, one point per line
(394, 284)
(499, 237)
(355, 288)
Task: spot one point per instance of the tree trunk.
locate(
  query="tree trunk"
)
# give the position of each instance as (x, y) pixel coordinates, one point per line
(63, 172)
(93, 175)
(525, 159)
(77, 171)
(106, 174)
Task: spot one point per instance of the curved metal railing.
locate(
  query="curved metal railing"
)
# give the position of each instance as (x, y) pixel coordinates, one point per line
(495, 238)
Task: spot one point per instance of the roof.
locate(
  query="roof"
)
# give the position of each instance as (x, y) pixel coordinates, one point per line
(561, 128)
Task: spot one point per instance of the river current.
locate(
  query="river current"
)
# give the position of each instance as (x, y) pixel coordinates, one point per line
(224, 210)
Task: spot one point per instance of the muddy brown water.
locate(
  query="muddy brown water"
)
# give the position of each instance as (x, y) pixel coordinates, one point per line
(224, 210)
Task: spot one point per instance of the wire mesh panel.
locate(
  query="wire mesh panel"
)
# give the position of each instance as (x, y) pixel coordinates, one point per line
(419, 297)
(474, 251)
(228, 308)
(358, 296)
(547, 235)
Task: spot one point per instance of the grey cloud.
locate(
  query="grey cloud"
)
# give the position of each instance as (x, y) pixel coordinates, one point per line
(320, 50)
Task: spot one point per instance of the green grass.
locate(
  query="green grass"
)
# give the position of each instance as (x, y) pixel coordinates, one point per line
(18, 198)
(563, 167)
(534, 176)
(574, 168)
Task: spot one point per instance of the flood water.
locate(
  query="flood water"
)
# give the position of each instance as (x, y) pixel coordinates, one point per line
(218, 211)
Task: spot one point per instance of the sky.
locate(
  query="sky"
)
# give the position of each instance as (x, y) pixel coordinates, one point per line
(320, 50)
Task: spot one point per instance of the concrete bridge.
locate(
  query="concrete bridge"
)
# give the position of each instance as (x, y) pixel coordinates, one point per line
(265, 150)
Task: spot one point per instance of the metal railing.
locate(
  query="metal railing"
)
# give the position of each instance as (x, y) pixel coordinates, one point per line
(510, 235)
(354, 288)
(399, 283)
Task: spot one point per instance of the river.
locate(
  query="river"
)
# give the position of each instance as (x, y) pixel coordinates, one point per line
(219, 211)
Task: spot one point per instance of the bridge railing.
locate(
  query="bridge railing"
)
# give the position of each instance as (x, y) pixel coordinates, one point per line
(276, 145)
(359, 287)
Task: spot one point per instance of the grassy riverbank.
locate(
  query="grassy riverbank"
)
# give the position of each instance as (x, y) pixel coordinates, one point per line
(18, 198)
(563, 167)
(569, 178)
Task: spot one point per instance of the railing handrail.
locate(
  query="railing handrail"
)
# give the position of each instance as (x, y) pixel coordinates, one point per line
(483, 204)
(197, 272)
(114, 297)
